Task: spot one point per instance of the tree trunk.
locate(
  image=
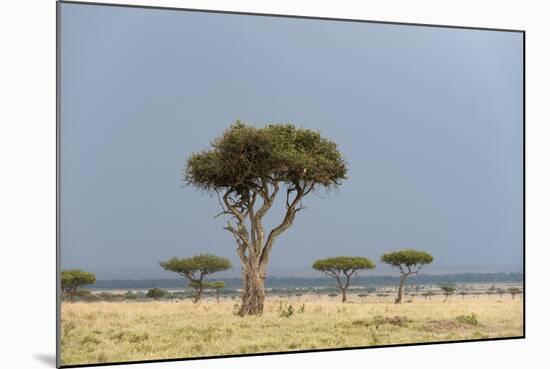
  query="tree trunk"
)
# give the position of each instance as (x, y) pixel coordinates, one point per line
(400, 289)
(218, 295)
(72, 293)
(198, 294)
(253, 291)
(253, 247)
(344, 297)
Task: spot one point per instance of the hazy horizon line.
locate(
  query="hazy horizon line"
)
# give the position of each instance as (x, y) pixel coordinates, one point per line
(313, 276)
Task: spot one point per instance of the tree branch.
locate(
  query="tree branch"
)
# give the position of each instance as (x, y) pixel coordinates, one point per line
(285, 224)
(250, 212)
(335, 274)
(257, 221)
(349, 273)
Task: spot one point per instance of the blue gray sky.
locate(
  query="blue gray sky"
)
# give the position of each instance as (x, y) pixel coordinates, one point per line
(428, 119)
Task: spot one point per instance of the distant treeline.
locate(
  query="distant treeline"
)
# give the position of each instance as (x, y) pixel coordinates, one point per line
(304, 282)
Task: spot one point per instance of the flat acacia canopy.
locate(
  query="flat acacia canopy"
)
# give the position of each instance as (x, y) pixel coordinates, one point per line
(215, 285)
(407, 257)
(343, 263)
(76, 277)
(203, 264)
(244, 156)
(448, 288)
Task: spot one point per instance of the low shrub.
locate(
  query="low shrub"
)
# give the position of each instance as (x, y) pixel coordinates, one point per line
(285, 310)
(379, 320)
(90, 340)
(237, 309)
(468, 319)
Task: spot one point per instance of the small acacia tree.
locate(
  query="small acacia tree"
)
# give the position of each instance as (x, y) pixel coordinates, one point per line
(72, 279)
(196, 268)
(514, 291)
(216, 286)
(246, 168)
(491, 291)
(156, 293)
(343, 268)
(409, 262)
(448, 290)
(428, 295)
(129, 295)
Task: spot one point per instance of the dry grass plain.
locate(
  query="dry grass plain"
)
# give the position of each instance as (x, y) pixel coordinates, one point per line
(126, 331)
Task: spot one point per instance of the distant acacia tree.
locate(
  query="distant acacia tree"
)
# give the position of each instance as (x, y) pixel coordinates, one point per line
(72, 279)
(514, 291)
(342, 269)
(491, 291)
(448, 290)
(245, 168)
(156, 293)
(196, 268)
(129, 295)
(500, 292)
(463, 294)
(409, 262)
(216, 286)
(428, 295)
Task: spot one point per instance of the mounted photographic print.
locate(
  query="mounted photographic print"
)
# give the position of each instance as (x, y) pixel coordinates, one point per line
(239, 184)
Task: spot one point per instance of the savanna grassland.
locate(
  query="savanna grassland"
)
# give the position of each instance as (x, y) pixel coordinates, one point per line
(125, 331)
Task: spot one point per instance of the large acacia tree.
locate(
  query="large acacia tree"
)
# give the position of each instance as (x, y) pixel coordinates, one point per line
(343, 268)
(246, 168)
(408, 262)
